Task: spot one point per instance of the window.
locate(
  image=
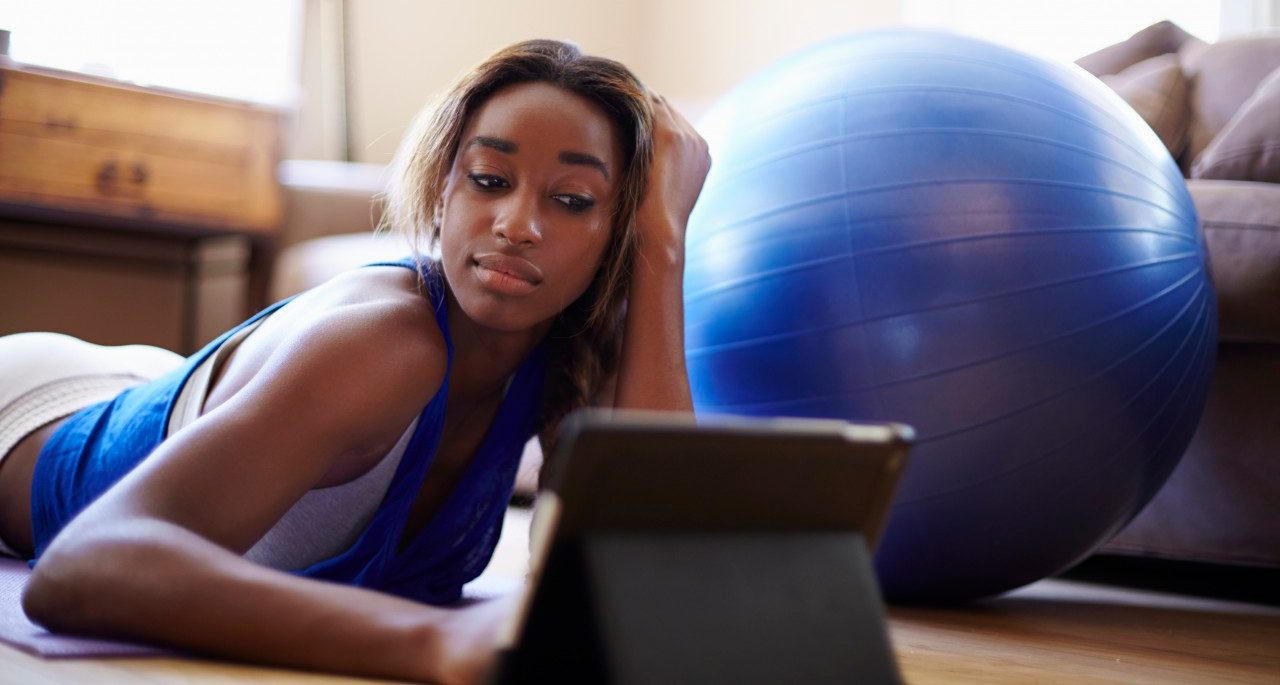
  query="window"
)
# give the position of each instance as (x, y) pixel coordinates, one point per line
(1062, 30)
(242, 49)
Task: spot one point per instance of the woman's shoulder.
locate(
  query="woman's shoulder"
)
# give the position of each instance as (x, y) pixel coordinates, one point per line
(373, 313)
(388, 295)
(372, 330)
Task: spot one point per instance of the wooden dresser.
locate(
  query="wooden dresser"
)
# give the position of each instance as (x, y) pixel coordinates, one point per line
(131, 215)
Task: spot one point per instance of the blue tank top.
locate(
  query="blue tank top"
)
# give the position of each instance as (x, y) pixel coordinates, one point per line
(101, 443)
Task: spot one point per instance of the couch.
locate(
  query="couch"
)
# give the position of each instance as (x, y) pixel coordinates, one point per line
(1217, 109)
(331, 211)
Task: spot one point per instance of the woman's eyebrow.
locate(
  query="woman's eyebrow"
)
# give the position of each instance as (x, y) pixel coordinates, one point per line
(499, 144)
(567, 157)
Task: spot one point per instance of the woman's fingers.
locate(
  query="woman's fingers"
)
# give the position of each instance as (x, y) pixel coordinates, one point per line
(665, 113)
(680, 165)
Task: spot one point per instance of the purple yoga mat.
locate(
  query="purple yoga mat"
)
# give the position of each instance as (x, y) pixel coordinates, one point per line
(17, 631)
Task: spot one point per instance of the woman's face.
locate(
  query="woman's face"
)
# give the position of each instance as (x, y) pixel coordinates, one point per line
(527, 205)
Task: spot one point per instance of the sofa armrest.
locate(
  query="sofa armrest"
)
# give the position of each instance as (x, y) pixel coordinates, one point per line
(325, 198)
(1241, 223)
(309, 263)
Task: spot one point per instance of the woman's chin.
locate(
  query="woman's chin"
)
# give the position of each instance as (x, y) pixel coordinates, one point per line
(501, 315)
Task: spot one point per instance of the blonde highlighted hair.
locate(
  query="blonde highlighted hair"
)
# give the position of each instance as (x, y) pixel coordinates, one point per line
(586, 338)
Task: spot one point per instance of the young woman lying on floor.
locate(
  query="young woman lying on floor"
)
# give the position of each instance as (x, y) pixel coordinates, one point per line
(367, 432)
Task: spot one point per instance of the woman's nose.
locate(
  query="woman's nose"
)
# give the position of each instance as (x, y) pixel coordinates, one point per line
(519, 223)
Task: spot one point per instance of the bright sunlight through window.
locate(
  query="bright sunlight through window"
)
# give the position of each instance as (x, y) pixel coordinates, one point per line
(242, 49)
(1062, 30)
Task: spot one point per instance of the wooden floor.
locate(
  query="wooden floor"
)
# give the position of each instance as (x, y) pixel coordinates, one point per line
(1061, 631)
(1050, 632)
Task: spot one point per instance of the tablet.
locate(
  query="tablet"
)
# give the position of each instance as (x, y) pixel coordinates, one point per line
(633, 500)
(655, 471)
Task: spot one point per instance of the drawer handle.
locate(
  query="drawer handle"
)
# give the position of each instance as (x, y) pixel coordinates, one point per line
(55, 122)
(108, 173)
(140, 173)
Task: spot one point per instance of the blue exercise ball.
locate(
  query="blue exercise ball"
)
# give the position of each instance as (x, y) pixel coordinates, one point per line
(991, 247)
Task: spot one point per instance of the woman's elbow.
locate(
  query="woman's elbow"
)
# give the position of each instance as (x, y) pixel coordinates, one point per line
(81, 580)
(57, 590)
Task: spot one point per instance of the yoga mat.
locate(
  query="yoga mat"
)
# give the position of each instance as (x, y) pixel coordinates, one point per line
(504, 575)
(16, 631)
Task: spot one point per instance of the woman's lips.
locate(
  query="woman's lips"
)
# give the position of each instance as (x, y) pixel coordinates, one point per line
(507, 275)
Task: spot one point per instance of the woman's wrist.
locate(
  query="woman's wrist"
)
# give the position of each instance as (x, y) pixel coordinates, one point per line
(419, 648)
(660, 244)
(458, 645)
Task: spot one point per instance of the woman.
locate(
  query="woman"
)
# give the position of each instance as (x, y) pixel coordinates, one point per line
(555, 189)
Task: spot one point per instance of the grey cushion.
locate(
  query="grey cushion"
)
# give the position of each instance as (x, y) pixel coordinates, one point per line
(1242, 228)
(1248, 148)
(1157, 91)
(1223, 78)
(1157, 39)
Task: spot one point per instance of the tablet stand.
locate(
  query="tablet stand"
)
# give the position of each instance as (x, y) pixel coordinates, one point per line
(713, 607)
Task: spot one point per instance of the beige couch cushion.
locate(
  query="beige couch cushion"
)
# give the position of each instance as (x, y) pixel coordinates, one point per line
(1157, 91)
(304, 265)
(1248, 148)
(329, 198)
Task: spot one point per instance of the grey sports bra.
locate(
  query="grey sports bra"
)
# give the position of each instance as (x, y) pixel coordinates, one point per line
(325, 521)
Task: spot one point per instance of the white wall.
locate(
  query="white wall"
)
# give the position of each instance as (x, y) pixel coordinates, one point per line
(400, 52)
(698, 49)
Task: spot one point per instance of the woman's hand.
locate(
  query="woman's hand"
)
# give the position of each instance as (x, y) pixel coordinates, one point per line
(652, 372)
(680, 165)
(472, 637)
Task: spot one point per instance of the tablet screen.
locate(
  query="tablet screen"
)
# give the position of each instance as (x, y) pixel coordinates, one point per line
(656, 472)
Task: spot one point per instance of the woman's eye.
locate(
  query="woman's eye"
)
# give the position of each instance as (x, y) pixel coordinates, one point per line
(488, 181)
(575, 203)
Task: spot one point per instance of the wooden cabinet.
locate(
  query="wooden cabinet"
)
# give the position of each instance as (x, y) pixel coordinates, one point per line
(130, 215)
(121, 287)
(75, 144)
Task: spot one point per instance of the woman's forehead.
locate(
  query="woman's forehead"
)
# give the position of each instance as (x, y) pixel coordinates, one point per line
(542, 116)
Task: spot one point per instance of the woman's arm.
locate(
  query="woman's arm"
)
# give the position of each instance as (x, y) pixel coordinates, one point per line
(652, 373)
(157, 557)
(148, 579)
